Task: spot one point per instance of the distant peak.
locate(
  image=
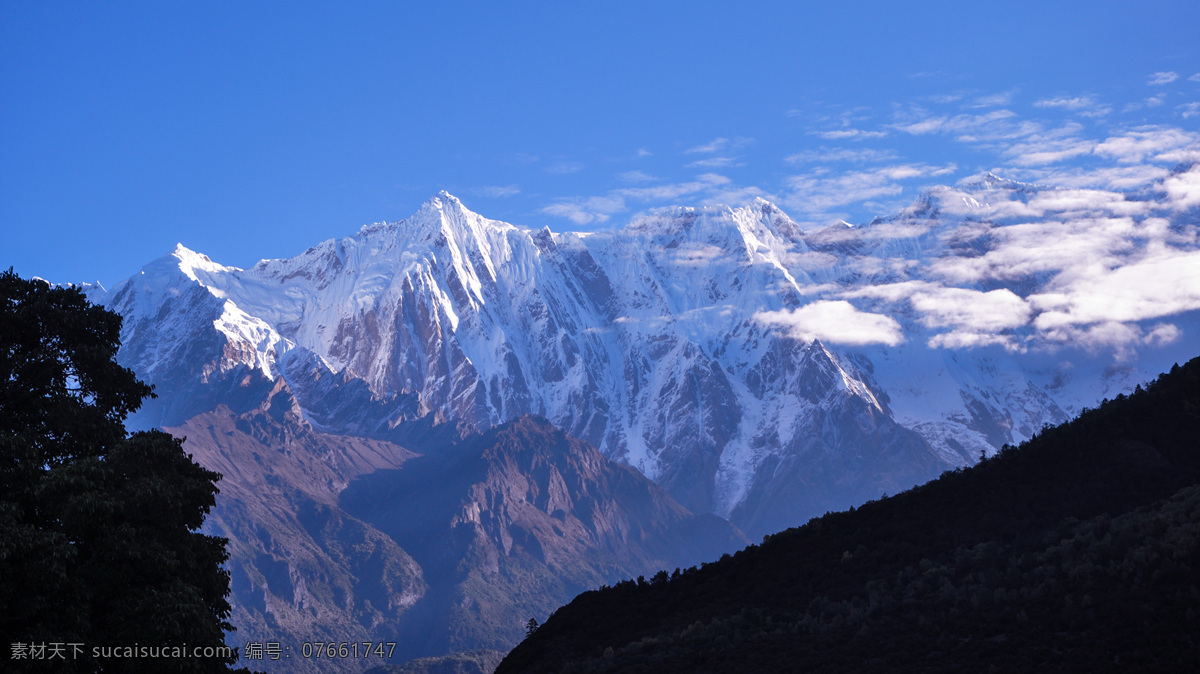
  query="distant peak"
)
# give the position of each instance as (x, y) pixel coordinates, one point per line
(444, 199)
(440, 219)
(190, 261)
(443, 202)
(989, 180)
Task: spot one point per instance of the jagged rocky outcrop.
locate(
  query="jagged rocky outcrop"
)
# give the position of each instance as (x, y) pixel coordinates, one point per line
(343, 539)
(301, 568)
(509, 521)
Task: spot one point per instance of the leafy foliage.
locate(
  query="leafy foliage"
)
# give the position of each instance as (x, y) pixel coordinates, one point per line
(1078, 550)
(98, 529)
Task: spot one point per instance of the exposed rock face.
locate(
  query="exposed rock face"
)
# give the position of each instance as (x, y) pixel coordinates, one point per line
(508, 521)
(840, 452)
(301, 568)
(337, 538)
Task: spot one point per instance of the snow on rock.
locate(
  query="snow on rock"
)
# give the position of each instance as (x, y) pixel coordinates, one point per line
(647, 342)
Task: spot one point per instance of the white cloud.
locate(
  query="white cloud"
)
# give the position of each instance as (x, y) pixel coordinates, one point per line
(828, 154)
(835, 322)
(1110, 177)
(643, 152)
(995, 124)
(1084, 105)
(636, 177)
(574, 212)
(945, 98)
(811, 260)
(673, 191)
(498, 191)
(1123, 338)
(1085, 201)
(715, 145)
(980, 312)
(1162, 334)
(1189, 110)
(965, 310)
(923, 126)
(1194, 78)
(844, 134)
(1106, 286)
(1050, 146)
(1047, 246)
(961, 339)
(1159, 286)
(1076, 103)
(903, 171)
(586, 211)
(993, 100)
(599, 209)
(720, 145)
(1183, 189)
(733, 195)
(564, 167)
(890, 292)
(692, 254)
(981, 202)
(1049, 151)
(818, 191)
(713, 162)
(1162, 78)
(1147, 142)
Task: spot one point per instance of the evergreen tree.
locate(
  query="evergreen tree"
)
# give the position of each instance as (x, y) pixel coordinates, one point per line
(99, 530)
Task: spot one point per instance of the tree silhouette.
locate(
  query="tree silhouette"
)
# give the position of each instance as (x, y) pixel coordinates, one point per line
(99, 540)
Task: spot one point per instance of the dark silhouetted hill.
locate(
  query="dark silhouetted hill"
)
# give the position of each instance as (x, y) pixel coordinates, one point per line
(1078, 551)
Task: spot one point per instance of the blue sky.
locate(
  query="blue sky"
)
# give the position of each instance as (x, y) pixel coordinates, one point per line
(252, 130)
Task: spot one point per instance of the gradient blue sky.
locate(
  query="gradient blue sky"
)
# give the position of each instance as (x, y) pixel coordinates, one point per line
(253, 130)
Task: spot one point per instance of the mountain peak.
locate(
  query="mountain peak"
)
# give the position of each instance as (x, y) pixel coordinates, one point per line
(196, 266)
(448, 209)
(990, 181)
(166, 270)
(428, 222)
(444, 201)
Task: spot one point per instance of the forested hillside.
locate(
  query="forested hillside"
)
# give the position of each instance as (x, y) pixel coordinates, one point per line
(1080, 549)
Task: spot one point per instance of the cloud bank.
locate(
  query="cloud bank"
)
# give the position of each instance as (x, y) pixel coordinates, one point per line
(835, 322)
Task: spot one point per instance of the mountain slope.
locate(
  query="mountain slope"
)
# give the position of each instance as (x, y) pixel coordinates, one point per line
(301, 568)
(506, 521)
(1080, 549)
(338, 538)
(689, 343)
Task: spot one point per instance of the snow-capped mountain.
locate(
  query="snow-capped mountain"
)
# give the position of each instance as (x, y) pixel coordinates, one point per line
(753, 369)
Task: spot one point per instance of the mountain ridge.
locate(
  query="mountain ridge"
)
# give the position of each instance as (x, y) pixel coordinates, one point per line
(1076, 550)
(453, 548)
(614, 335)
